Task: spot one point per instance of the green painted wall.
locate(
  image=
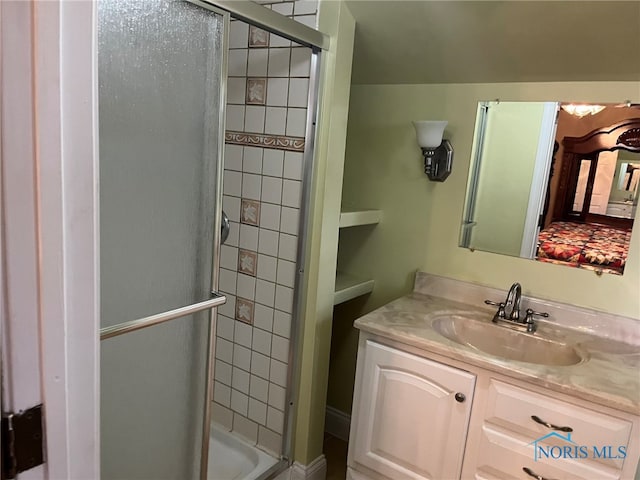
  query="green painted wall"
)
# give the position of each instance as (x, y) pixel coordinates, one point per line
(421, 223)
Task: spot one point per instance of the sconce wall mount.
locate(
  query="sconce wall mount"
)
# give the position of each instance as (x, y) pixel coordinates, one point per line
(437, 153)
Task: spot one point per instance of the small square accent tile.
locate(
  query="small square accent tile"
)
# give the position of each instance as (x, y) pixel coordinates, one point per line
(244, 310)
(247, 262)
(256, 91)
(258, 38)
(250, 212)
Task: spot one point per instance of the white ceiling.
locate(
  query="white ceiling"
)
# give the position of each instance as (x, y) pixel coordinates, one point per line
(424, 41)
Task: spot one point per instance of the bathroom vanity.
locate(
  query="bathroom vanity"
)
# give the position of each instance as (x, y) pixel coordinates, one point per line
(430, 402)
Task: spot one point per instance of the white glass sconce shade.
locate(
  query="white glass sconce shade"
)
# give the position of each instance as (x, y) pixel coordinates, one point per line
(429, 133)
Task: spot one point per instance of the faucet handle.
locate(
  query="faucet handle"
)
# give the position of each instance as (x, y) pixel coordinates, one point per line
(501, 305)
(531, 313)
(531, 326)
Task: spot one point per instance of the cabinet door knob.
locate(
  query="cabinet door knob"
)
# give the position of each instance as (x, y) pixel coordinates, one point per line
(460, 397)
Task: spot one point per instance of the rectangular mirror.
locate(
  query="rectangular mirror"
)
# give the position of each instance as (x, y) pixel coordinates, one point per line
(554, 182)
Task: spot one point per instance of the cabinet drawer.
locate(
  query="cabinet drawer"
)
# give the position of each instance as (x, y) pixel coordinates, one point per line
(601, 435)
(503, 456)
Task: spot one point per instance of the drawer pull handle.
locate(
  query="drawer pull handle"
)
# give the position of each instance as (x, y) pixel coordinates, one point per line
(551, 425)
(460, 397)
(533, 474)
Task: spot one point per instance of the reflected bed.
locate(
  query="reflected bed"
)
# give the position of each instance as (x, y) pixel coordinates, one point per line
(585, 245)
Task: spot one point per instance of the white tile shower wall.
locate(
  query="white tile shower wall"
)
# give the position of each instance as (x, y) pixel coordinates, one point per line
(268, 87)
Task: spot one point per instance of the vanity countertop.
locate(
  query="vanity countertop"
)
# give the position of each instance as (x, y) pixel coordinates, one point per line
(610, 376)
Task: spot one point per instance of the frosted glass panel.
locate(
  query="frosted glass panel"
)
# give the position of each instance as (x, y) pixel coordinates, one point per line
(159, 75)
(152, 396)
(159, 66)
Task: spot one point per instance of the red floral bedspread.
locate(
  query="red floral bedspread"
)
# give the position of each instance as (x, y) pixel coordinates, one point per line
(585, 245)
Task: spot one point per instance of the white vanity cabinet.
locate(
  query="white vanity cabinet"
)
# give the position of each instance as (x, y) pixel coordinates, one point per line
(410, 416)
(407, 424)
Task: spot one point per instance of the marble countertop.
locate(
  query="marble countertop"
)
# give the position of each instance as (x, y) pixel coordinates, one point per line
(609, 375)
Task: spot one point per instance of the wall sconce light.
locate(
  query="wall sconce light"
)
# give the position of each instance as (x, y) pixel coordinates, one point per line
(438, 153)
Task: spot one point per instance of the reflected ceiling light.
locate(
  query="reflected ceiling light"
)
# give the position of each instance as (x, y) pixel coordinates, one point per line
(438, 153)
(582, 110)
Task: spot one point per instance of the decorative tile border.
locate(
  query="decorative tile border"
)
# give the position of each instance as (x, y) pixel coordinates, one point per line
(276, 142)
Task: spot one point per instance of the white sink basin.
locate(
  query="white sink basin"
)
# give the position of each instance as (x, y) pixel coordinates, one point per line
(505, 342)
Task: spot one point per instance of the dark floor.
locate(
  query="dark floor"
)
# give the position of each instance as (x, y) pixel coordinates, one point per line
(335, 451)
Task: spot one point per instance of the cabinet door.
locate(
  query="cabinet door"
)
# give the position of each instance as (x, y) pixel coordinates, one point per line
(408, 423)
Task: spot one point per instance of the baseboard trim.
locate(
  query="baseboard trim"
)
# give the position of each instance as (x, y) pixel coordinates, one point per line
(337, 423)
(316, 470)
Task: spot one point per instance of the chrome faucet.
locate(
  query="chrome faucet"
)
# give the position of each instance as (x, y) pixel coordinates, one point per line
(512, 303)
(509, 310)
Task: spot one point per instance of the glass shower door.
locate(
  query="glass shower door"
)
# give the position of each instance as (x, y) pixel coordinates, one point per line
(160, 83)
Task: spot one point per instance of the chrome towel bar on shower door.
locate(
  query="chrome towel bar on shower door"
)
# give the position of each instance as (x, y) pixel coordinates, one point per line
(126, 327)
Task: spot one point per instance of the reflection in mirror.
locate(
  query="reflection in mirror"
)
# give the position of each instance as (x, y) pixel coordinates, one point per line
(554, 186)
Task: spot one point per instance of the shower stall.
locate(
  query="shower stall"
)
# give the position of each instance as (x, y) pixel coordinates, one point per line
(202, 107)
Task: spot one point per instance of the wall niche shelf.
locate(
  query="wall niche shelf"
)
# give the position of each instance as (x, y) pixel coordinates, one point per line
(359, 217)
(350, 286)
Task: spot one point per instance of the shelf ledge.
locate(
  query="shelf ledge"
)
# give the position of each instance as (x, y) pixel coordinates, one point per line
(348, 287)
(360, 217)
